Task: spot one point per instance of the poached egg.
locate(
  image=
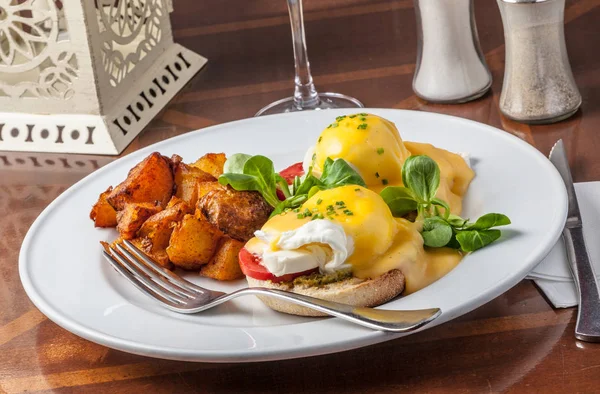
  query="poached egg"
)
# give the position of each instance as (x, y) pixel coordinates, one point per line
(373, 147)
(337, 229)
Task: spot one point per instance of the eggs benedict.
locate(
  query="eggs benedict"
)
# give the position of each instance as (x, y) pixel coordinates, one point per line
(330, 246)
(365, 218)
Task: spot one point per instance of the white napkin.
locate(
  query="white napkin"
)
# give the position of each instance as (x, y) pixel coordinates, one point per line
(553, 275)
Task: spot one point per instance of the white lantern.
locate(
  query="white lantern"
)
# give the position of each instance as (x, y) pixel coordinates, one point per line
(86, 76)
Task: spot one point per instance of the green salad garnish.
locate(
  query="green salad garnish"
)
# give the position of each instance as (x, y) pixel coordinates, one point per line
(421, 179)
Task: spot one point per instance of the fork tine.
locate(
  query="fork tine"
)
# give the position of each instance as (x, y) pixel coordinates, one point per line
(138, 276)
(186, 284)
(134, 281)
(155, 275)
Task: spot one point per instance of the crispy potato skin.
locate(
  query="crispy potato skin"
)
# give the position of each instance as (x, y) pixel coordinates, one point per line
(224, 265)
(151, 180)
(193, 242)
(236, 213)
(131, 218)
(203, 188)
(212, 163)
(158, 255)
(187, 179)
(145, 246)
(102, 213)
(156, 231)
(176, 201)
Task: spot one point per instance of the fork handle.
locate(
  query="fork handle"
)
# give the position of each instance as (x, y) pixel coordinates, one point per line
(378, 319)
(588, 315)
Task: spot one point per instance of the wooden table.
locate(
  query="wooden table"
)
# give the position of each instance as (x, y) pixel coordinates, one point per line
(364, 48)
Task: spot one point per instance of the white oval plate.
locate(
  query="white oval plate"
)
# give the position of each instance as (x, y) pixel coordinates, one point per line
(63, 273)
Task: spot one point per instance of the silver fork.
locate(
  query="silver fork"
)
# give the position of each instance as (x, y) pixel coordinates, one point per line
(182, 296)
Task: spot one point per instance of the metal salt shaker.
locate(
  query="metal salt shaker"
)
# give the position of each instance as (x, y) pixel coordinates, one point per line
(538, 83)
(450, 65)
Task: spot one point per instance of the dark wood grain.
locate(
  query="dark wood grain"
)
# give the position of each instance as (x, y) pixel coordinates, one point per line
(516, 343)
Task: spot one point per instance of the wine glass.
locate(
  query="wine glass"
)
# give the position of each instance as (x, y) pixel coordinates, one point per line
(305, 96)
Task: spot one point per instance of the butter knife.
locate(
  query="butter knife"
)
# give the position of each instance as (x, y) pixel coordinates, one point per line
(588, 315)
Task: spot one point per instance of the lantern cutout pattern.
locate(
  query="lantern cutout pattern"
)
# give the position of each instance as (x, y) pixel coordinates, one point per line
(86, 76)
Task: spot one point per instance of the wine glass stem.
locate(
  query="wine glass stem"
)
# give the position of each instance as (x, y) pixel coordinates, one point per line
(305, 93)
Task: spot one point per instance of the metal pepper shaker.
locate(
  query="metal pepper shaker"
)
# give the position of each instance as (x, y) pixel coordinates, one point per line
(450, 64)
(538, 83)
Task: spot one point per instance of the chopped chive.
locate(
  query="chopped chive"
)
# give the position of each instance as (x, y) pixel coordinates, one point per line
(334, 125)
(362, 118)
(384, 181)
(352, 116)
(339, 203)
(320, 138)
(362, 126)
(300, 216)
(319, 201)
(348, 212)
(356, 190)
(314, 156)
(297, 210)
(330, 207)
(339, 118)
(376, 175)
(363, 114)
(380, 151)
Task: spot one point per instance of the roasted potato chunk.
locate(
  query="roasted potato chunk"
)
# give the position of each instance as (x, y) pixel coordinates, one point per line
(236, 213)
(193, 242)
(131, 218)
(151, 180)
(212, 163)
(156, 231)
(186, 182)
(176, 201)
(158, 255)
(145, 246)
(224, 265)
(205, 187)
(103, 214)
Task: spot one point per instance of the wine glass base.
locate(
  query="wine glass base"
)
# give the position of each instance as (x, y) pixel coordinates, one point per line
(327, 101)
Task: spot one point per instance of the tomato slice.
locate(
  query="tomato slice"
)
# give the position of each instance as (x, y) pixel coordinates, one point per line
(291, 172)
(250, 265)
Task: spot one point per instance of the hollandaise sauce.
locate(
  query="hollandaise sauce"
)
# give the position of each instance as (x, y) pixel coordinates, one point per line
(375, 149)
(420, 265)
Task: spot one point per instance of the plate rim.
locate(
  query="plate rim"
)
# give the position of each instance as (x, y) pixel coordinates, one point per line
(175, 353)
